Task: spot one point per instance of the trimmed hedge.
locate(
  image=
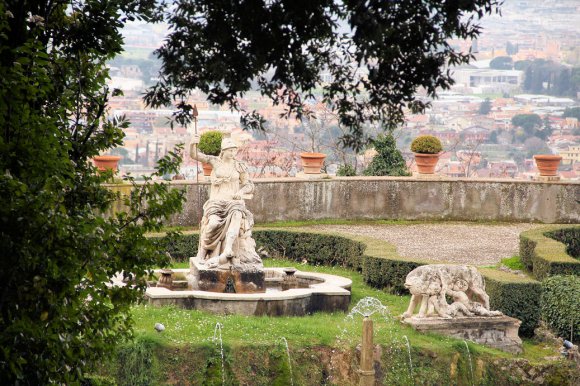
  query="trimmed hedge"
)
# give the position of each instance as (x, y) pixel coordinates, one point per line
(381, 266)
(180, 247)
(544, 256)
(515, 296)
(561, 304)
(570, 237)
(316, 248)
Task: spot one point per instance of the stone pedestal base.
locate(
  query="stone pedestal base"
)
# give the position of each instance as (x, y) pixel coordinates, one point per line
(226, 281)
(500, 332)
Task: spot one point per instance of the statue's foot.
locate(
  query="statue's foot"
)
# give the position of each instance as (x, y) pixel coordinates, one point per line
(407, 314)
(226, 255)
(214, 262)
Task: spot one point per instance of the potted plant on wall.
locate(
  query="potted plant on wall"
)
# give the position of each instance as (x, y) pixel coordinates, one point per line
(312, 162)
(210, 143)
(548, 164)
(427, 149)
(107, 162)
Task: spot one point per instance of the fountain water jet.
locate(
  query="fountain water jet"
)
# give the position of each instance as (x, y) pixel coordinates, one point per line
(470, 362)
(218, 327)
(410, 361)
(289, 361)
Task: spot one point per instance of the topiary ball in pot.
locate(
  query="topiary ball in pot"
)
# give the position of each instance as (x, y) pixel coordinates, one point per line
(427, 149)
(210, 143)
(426, 144)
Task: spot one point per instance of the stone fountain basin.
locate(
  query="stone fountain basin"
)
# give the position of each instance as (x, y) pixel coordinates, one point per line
(326, 293)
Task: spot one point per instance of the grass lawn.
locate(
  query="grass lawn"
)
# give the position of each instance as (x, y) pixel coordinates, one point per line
(190, 327)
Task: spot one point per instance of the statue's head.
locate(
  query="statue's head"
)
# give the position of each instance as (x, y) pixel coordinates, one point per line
(229, 148)
(460, 285)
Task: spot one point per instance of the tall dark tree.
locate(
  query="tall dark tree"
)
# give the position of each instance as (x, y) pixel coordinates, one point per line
(485, 107)
(376, 54)
(58, 249)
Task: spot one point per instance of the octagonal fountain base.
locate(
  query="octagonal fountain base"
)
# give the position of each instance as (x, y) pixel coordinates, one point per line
(288, 293)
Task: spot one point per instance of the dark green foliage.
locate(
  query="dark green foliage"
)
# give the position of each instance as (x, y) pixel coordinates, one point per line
(388, 273)
(573, 112)
(210, 143)
(527, 248)
(545, 256)
(235, 44)
(515, 296)
(560, 305)
(388, 161)
(137, 365)
(527, 121)
(180, 247)
(426, 144)
(346, 171)
(485, 107)
(501, 63)
(570, 237)
(316, 248)
(58, 249)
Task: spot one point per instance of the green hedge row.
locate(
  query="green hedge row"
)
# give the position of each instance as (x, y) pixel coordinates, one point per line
(515, 296)
(570, 237)
(544, 256)
(380, 264)
(316, 248)
(561, 305)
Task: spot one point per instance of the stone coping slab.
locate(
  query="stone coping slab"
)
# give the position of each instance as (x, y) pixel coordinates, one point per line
(329, 293)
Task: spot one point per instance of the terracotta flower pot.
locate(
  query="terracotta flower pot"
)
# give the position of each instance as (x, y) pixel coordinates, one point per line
(548, 164)
(426, 162)
(104, 162)
(312, 162)
(207, 168)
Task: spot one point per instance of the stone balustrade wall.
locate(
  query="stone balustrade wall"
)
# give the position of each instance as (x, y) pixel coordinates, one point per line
(287, 199)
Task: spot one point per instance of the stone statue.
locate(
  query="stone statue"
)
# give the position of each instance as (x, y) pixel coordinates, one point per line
(226, 226)
(429, 285)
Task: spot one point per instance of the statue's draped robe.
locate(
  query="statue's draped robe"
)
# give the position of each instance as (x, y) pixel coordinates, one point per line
(224, 184)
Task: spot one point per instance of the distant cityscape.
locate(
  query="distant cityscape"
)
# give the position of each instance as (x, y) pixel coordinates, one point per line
(520, 97)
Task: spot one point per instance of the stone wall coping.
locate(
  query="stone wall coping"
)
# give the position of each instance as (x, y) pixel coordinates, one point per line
(290, 180)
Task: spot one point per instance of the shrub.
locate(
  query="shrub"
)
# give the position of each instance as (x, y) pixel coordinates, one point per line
(545, 256)
(210, 143)
(346, 171)
(560, 305)
(515, 296)
(388, 161)
(426, 144)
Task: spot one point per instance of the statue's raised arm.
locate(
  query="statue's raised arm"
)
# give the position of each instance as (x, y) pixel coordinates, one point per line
(197, 155)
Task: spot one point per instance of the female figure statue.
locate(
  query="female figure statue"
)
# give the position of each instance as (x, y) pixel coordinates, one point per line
(226, 225)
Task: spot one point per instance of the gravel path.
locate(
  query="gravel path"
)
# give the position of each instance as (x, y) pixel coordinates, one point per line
(463, 243)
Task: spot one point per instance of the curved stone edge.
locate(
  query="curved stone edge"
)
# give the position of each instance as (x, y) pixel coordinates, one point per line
(331, 295)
